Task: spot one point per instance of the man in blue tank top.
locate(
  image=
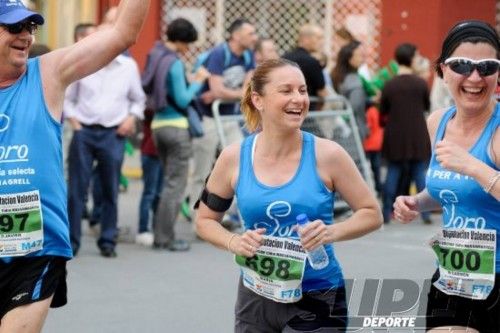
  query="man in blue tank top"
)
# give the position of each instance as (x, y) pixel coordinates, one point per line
(34, 238)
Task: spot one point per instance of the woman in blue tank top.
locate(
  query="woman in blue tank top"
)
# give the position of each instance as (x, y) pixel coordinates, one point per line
(278, 173)
(464, 180)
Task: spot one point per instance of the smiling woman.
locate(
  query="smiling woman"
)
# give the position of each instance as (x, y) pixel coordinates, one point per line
(253, 104)
(466, 66)
(466, 149)
(278, 173)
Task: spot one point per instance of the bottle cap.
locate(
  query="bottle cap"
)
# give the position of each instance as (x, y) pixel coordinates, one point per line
(302, 219)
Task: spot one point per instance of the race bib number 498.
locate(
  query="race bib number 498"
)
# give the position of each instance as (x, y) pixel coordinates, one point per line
(21, 224)
(276, 271)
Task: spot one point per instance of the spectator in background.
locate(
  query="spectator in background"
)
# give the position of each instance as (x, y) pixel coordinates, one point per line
(406, 144)
(347, 82)
(230, 65)
(94, 215)
(323, 61)
(170, 131)
(328, 125)
(81, 31)
(373, 82)
(422, 69)
(310, 40)
(346, 37)
(372, 144)
(102, 114)
(152, 180)
(265, 49)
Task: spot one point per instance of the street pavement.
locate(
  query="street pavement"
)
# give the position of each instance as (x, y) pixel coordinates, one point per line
(148, 291)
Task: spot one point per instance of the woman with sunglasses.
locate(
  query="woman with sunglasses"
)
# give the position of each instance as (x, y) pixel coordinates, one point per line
(34, 236)
(464, 180)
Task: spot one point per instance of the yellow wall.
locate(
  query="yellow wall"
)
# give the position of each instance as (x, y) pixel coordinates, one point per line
(61, 16)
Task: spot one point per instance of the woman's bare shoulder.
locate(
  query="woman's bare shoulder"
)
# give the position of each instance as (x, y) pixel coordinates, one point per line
(433, 122)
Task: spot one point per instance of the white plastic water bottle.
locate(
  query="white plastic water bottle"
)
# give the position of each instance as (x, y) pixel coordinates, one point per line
(317, 257)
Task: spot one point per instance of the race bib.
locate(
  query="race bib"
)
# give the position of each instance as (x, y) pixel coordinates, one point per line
(276, 271)
(21, 224)
(466, 262)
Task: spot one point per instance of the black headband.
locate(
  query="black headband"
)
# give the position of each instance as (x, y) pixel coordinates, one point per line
(468, 29)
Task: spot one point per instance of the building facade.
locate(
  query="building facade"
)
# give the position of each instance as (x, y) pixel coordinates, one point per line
(380, 24)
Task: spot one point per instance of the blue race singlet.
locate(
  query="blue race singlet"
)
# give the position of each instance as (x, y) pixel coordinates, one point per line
(276, 207)
(33, 206)
(465, 203)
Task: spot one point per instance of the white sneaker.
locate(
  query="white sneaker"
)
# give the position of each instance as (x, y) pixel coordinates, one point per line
(144, 238)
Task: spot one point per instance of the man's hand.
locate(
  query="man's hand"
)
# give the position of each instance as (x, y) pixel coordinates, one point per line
(75, 124)
(127, 127)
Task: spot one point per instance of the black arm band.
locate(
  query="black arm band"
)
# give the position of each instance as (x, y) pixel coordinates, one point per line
(213, 201)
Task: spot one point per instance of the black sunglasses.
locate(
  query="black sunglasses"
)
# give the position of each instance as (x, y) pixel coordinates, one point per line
(17, 28)
(465, 66)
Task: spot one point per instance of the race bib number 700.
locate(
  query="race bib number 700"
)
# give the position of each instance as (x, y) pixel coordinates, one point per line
(466, 262)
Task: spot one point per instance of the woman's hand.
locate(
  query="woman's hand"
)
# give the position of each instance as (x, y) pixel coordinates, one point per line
(405, 208)
(453, 157)
(247, 243)
(313, 234)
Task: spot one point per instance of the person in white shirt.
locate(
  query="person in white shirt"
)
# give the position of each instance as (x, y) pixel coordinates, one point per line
(102, 109)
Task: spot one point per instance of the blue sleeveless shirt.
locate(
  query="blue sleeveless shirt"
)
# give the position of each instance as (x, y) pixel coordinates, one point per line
(276, 207)
(31, 157)
(465, 203)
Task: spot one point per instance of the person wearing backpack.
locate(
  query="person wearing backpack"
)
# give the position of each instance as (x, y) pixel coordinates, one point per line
(169, 95)
(231, 65)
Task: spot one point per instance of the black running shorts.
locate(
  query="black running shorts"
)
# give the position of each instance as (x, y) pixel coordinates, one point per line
(448, 310)
(27, 280)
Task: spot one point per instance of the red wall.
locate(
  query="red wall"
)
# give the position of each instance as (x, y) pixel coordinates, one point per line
(426, 22)
(150, 31)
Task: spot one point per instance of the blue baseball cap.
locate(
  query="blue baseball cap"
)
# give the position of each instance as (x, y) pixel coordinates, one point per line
(13, 11)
